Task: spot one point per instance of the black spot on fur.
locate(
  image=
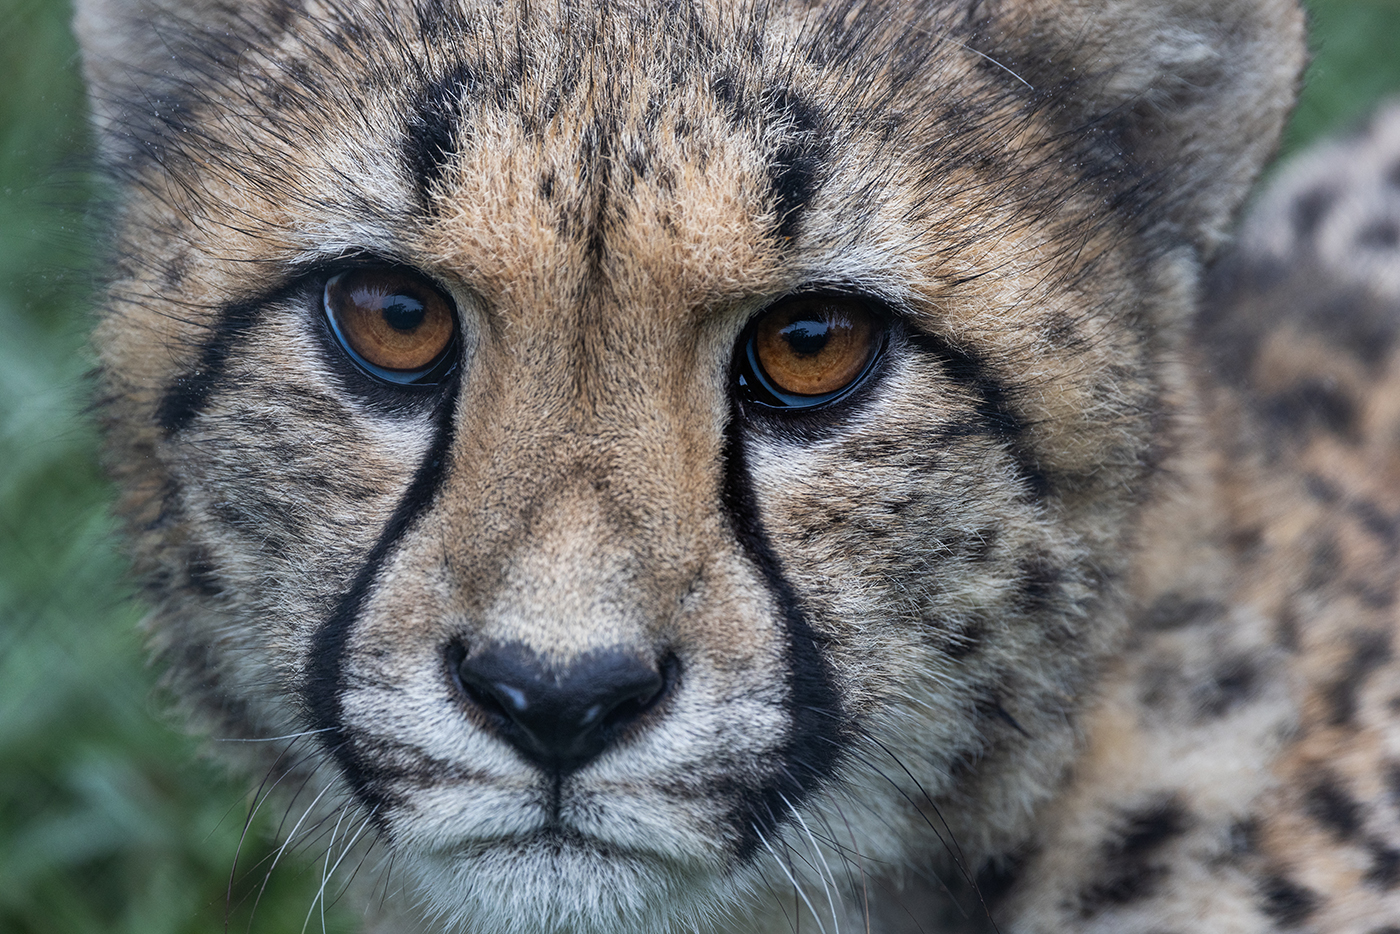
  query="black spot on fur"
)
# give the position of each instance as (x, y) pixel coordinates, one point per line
(1243, 837)
(434, 121)
(1377, 523)
(966, 642)
(174, 270)
(1039, 581)
(202, 573)
(1392, 784)
(1324, 564)
(1382, 235)
(1312, 404)
(1309, 210)
(1129, 870)
(1288, 903)
(1321, 489)
(1331, 806)
(817, 729)
(997, 878)
(1174, 610)
(1385, 866)
(546, 187)
(1233, 681)
(1388, 929)
(1245, 541)
(1370, 650)
(792, 175)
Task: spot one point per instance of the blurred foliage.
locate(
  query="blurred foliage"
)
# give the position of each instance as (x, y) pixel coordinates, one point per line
(109, 818)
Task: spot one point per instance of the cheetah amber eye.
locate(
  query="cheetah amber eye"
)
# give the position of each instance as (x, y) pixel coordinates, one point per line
(394, 324)
(810, 350)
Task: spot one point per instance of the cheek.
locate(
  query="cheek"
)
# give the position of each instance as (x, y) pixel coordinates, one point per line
(282, 480)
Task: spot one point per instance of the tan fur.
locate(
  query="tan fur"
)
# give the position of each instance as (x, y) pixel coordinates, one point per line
(1079, 611)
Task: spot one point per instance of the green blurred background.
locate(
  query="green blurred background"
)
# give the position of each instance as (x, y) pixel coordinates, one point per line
(109, 818)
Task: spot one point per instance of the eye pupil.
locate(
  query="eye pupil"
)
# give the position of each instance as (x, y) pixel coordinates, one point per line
(806, 338)
(403, 313)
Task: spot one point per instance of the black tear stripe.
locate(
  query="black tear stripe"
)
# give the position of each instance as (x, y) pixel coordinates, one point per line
(813, 748)
(324, 677)
(996, 416)
(188, 394)
(434, 124)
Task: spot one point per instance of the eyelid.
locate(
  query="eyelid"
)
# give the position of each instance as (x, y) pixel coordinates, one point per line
(444, 363)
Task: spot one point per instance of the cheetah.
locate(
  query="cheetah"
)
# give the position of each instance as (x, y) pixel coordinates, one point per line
(738, 466)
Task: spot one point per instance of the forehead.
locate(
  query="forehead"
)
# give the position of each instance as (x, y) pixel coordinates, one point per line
(546, 155)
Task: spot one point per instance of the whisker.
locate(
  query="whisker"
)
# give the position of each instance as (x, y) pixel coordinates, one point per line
(791, 877)
(828, 879)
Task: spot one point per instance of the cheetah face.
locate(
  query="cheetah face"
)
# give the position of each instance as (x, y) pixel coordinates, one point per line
(627, 449)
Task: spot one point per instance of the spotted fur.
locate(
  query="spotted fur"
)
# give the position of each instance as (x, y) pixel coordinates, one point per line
(1075, 615)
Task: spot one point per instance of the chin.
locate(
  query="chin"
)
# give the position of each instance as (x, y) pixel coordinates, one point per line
(560, 882)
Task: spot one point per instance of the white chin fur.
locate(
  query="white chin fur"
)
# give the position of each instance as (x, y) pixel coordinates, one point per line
(560, 886)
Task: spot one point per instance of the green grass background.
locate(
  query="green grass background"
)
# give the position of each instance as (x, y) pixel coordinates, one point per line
(109, 818)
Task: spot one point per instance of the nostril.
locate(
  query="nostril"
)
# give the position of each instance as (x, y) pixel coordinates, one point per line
(560, 717)
(632, 708)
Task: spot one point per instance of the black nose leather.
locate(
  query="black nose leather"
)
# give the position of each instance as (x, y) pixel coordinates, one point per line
(560, 717)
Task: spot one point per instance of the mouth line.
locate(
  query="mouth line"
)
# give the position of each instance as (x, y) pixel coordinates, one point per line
(553, 838)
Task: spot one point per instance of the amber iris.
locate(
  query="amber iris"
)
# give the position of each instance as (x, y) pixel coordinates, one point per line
(815, 346)
(391, 319)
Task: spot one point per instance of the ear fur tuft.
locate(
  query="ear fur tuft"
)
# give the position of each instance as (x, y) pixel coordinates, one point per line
(1192, 93)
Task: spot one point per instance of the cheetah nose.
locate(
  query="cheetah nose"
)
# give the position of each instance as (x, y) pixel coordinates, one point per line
(560, 718)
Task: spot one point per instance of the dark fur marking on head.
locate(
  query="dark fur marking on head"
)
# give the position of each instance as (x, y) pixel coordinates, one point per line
(1324, 565)
(324, 677)
(1311, 404)
(1309, 210)
(1129, 872)
(1174, 610)
(1381, 235)
(967, 641)
(1233, 681)
(812, 749)
(1040, 581)
(997, 878)
(1370, 651)
(434, 123)
(794, 170)
(202, 573)
(1287, 902)
(792, 176)
(1378, 524)
(996, 415)
(1243, 837)
(188, 394)
(1333, 807)
(1385, 865)
(1321, 489)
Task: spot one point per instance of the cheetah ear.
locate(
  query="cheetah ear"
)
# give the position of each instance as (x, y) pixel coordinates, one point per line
(135, 53)
(1191, 94)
